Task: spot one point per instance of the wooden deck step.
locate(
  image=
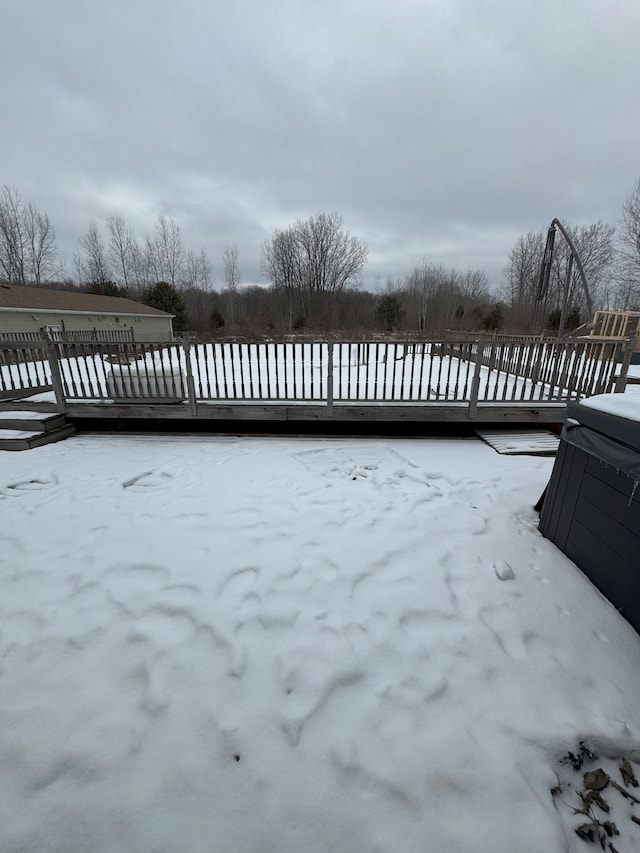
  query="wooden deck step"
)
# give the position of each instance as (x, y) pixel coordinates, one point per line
(27, 400)
(541, 442)
(25, 440)
(22, 429)
(28, 421)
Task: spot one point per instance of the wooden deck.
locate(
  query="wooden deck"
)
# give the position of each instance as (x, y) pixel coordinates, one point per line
(476, 381)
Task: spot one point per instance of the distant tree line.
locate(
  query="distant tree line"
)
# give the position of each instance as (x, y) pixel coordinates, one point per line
(314, 269)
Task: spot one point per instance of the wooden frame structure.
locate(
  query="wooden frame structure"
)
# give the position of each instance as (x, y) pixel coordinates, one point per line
(616, 325)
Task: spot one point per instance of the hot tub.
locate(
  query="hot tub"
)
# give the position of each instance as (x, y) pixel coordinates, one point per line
(591, 509)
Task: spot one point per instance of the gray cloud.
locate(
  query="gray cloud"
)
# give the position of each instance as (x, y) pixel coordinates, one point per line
(440, 130)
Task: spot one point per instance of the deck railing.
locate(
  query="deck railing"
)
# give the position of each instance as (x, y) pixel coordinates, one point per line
(327, 373)
(24, 368)
(82, 335)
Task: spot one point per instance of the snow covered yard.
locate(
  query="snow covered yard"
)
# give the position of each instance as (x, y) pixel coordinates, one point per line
(219, 644)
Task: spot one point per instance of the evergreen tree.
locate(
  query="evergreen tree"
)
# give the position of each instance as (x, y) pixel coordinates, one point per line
(165, 297)
(389, 313)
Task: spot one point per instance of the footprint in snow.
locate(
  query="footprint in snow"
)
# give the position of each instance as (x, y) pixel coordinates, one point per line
(35, 485)
(502, 624)
(134, 586)
(148, 480)
(238, 583)
(166, 624)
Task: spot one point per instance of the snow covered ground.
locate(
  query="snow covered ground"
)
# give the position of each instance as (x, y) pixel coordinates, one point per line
(248, 644)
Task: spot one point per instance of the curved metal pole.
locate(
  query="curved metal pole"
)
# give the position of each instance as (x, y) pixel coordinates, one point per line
(576, 258)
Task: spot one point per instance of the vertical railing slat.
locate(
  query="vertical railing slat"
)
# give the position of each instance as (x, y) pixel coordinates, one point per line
(216, 375)
(231, 371)
(269, 347)
(628, 349)
(330, 378)
(475, 384)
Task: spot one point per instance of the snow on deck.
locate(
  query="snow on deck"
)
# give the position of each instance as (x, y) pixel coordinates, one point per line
(17, 433)
(219, 644)
(538, 442)
(22, 415)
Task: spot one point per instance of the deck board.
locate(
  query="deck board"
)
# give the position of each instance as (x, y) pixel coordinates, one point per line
(540, 442)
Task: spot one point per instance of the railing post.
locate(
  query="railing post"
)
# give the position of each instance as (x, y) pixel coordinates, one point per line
(191, 385)
(475, 384)
(329, 379)
(628, 348)
(56, 375)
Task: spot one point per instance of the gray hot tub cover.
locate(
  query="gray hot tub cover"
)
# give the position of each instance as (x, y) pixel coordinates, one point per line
(620, 456)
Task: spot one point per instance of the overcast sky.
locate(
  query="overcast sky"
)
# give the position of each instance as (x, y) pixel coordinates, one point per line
(440, 129)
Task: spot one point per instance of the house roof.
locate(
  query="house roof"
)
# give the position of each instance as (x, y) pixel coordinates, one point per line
(18, 297)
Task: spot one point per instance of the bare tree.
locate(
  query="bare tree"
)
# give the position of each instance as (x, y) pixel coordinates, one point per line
(594, 245)
(474, 285)
(436, 294)
(12, 237)
(140, 266)
(150, 262)
(28, 250)
(42, 254)
(521, 274)
(196, 285)
(419, 286)
(282, 265)
(315, 255)
(122, 250)
(93, 263)
(313, 258)
(231, 268)
(281, 262)
(332, 258)
(165, 251)
(628, 254)
(231, 277)
(197, 272)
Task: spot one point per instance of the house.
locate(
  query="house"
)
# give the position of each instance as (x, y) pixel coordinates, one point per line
(36, 309)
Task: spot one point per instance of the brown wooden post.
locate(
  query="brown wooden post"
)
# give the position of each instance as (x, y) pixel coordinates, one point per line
(475, 383)
(330, 379)
(56, 375)
(628, 348)
(191, 385)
